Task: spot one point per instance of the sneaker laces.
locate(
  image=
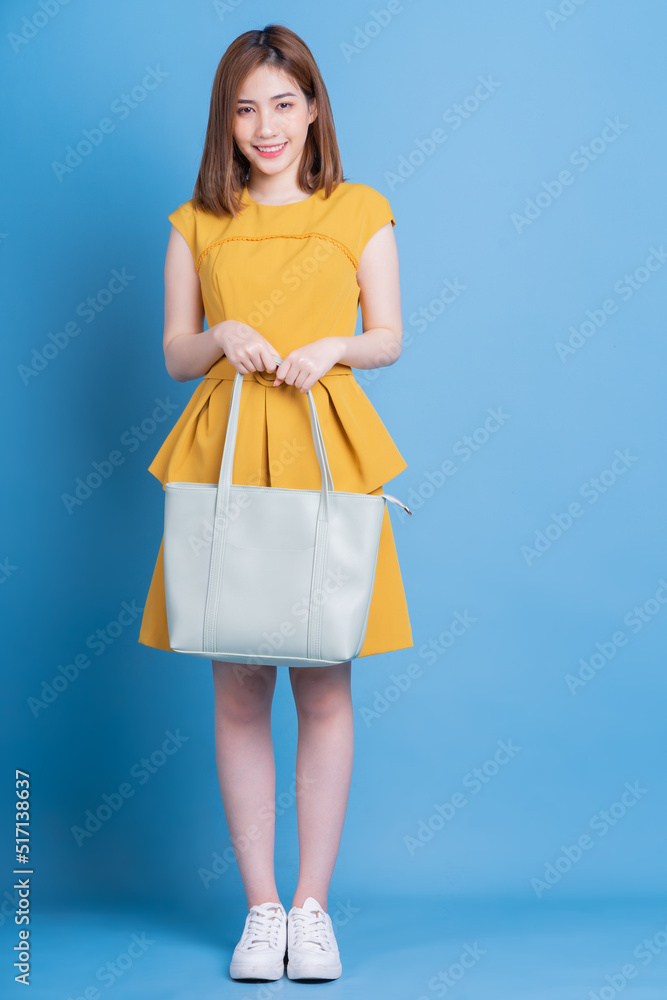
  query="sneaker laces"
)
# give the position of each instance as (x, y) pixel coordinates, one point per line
(262, 928)
(311, 929)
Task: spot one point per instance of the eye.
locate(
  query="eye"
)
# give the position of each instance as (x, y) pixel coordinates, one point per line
(285, 104)
(244, 109)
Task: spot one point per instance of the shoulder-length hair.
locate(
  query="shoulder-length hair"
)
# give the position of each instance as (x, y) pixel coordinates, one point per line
(224, 168)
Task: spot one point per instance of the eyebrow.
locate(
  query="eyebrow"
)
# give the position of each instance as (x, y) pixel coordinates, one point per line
(247, 100)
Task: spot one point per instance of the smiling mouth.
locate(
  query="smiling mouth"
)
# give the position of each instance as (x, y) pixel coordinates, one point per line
(271, 149)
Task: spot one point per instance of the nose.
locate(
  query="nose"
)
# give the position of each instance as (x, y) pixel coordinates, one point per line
(264, 121)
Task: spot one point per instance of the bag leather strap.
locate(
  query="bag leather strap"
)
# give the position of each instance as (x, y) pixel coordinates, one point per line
(221, 521)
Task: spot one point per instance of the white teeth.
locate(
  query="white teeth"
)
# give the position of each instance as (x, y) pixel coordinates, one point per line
(270, 149)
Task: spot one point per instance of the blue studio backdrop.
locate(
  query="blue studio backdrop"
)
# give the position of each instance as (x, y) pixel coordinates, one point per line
(516, 751)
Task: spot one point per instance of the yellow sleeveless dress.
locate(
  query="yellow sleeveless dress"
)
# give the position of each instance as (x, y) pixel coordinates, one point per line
(289, 271)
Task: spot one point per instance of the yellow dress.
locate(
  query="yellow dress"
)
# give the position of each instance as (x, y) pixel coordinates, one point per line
(289, 271)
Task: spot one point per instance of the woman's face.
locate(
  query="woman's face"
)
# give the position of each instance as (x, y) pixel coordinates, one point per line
(271, 121)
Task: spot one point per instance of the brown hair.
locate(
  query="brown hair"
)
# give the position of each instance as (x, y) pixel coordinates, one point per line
(224, 168)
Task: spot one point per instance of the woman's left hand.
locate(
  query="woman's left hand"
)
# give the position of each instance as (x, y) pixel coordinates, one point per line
(303, 366)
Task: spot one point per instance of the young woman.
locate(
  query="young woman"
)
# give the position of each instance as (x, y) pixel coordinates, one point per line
(277, 251)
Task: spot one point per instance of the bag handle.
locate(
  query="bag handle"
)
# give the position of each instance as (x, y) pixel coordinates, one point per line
(221, 522)
(226, 466)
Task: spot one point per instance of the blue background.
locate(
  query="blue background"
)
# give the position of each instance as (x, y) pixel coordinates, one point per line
(558, 81)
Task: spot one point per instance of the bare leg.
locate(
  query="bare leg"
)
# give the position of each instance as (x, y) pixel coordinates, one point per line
(325, 752)
(246, 771)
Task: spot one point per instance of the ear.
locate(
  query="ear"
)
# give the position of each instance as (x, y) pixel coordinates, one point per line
(313, 111)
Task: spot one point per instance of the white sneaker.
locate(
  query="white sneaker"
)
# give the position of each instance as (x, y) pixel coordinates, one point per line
(312, 952)
(260, 954)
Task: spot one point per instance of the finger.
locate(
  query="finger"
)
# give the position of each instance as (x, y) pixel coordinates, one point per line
(239, 363)
(253, 359)
(301, 380)
(309, 382)
(284, 370)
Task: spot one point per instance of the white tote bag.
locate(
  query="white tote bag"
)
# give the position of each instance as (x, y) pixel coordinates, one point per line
(267, 575)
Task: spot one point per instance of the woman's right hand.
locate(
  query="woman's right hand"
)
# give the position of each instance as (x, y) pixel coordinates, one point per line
(245, 347)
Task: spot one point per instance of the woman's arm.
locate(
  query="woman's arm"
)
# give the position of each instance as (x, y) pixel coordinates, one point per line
(380, 300)
(189, 351)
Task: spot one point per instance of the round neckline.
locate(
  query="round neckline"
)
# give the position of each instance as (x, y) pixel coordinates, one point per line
(286, 204)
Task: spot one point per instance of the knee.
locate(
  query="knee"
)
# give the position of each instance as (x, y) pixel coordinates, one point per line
(242, 693)
(319, 697)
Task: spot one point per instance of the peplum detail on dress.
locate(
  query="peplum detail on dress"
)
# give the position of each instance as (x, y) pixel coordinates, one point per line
(274, 436)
